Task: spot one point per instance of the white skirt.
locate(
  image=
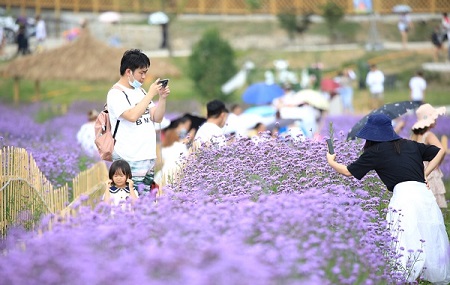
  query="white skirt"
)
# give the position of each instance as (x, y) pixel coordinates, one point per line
(422, 240)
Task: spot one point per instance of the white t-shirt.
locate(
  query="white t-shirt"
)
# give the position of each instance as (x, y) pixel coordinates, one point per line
(172, 158)
(403, 23)
(134, 140)
(417, 85)
(41, 32)
(209, 132)
(375, 81)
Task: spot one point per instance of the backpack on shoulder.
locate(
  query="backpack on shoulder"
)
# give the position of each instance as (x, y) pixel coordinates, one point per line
(104, 138)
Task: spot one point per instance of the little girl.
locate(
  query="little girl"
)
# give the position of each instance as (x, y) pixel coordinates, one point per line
(120, 185)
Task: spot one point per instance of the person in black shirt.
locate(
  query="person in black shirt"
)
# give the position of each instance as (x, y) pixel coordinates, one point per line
(399, 164)
(437, 39)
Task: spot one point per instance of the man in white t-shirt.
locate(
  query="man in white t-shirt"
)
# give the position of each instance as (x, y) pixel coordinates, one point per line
(129, 103)
(211, 132)
(375, 82)
(417, 85)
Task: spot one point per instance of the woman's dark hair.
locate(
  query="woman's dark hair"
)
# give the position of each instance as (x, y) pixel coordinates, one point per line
(396, 143)
(122, 166)
(420, 131)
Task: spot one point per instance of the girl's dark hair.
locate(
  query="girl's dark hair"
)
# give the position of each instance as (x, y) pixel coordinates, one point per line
(420, 131)
(121, 165)
(133, 59)
(396, 144)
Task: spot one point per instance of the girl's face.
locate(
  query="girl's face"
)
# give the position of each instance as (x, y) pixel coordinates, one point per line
(120, 179)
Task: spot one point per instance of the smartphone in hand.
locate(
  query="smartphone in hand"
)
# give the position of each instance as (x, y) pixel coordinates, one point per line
(330, 146)
(163, 82)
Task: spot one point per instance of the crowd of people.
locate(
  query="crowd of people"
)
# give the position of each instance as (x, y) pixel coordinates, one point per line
(27, 28)
(406, 166)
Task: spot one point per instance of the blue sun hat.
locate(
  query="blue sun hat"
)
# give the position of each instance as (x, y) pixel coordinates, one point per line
(379, 129)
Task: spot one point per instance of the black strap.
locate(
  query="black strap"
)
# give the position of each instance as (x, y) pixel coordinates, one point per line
(115, 129)
(126, 96)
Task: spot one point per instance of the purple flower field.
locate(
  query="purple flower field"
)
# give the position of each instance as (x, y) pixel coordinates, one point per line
(266, 213)
(53, 143)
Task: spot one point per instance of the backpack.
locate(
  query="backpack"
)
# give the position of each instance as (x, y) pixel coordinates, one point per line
(104, 139)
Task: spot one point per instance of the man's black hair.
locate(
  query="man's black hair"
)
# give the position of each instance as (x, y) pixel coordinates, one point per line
(215, 108)
(133, 59)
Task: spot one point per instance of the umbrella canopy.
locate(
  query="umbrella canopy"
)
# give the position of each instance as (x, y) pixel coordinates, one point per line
(280, 123)
(392, 110)
(164, 124)
(261, 93)
(109, 17)
(196, 121)
(309, 96)
(329, 85)
(263, 111)
(402, 8)
(86, 58)
(158, 18)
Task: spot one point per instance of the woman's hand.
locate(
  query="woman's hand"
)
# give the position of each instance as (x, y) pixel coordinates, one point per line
(331, 157)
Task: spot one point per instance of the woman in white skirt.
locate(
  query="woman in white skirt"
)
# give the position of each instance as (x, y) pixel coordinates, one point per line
(422, 241)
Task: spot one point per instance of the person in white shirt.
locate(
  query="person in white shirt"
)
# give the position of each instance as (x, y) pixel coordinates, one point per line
(211, 132)
(41, 32)
(417, 85)
(86, 135)
(404, 25)
(375, 82)
(137, 113)
(173, 150)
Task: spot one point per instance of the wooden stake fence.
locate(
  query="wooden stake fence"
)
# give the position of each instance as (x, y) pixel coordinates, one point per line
(26, 194)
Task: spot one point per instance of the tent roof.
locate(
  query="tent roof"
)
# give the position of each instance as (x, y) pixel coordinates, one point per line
(84, 59)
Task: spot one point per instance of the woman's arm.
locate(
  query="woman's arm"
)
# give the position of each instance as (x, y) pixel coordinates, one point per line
(339, 167)
(435, 162)
(433, 140)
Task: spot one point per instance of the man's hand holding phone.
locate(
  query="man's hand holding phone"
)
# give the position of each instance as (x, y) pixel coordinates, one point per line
(164, 90)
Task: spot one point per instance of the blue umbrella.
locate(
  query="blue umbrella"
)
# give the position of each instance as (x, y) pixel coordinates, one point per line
(261, 93)
(264, 111)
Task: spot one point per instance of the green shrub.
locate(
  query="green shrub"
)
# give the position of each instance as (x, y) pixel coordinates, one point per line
(211, 64)
(333, 15)
(294, 24)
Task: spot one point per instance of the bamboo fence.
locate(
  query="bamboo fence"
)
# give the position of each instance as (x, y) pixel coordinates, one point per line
(26, 195)
(223, 7)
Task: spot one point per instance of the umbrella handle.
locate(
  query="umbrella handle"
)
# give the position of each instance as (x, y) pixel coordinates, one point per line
(330, 146)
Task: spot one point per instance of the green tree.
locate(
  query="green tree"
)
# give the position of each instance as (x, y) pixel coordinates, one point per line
(253, 4)
(211, 64)
(294, 24)
(333, 15)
